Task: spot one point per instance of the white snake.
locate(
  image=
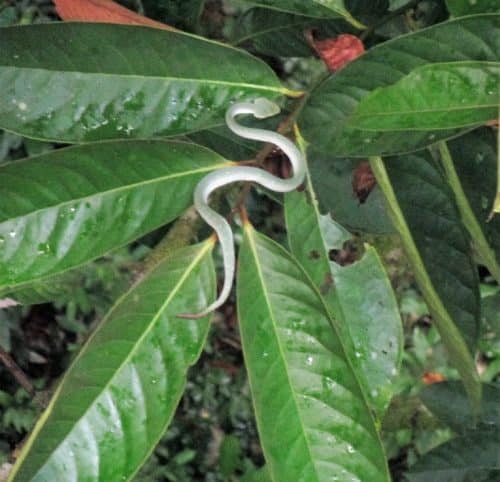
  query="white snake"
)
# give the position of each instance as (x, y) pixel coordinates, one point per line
(260, 108)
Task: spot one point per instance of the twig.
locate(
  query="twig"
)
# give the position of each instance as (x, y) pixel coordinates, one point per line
(16, 371)
(180, 234)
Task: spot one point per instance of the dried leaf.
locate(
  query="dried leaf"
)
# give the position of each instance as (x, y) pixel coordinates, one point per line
(105, 11)
(339, 51)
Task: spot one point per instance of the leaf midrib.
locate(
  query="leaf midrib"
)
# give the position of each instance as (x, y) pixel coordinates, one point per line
(422, 111)
(279, 89)
(284, 26)
(250, 232)
(122, 188)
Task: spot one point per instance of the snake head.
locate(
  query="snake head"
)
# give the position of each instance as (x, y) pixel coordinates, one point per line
(265, 108)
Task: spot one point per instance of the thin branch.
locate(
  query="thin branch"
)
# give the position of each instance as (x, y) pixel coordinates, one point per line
(16, 371)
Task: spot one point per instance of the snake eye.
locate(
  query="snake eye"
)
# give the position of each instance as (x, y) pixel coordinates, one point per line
(265, 108)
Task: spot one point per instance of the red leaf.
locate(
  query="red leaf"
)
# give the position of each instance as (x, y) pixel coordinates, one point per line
(432, 377)
(105, 11)
(339, 51)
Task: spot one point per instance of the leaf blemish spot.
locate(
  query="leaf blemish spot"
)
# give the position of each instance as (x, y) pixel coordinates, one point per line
(314, 254)
(327, 284)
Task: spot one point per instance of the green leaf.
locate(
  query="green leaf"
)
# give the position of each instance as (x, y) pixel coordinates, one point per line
(121, 392)
(259, 475)
(448, 401)
(312, 8)
(80, 82)
(472, 458)
(282, 34)
(327, 119)
(43, 291)
(62, 209)
(333, 182)
(490, 311)
(313, 419)
(359, 297)
(468, 159)
(433, 97)
(428, 206)
(229, 455)
(184, 14)
(458, 8)
(496, 202)
(423, 211)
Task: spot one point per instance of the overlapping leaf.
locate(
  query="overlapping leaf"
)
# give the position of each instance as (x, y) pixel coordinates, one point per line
(84, 82)
(313, 419)
(471, 458)
(184, 14)
(228, 144)
(281, 34)
(311, 8)
(359, 296)
(327, 120)
(46, 289)
(448, 401)
(429, 209)
(122, 390)
(96, 198)
(332, 178)
(459, 8)
(424, 213)
(435, 96)
(474, 159)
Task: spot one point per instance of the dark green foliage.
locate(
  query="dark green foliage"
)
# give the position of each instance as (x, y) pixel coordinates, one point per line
(96, 243)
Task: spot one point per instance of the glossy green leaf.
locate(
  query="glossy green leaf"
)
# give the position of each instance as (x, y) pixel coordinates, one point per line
(45, 290)
(311, 8)
(359, 296)
(470, 157)
(448, 401)
(472, 458)
(80, 82)
(424, 213)
(313, 419)
(121, 392)
(430, 212)
(433, 97)
(62, 209)
(282, 34)
(332, 178)
(458, 8)
(327, 119)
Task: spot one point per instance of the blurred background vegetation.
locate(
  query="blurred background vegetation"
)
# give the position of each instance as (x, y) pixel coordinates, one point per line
(213, 436)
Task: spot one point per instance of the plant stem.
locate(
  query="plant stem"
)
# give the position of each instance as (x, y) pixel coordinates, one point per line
(179, 235)
(496, 202)
(485, 253)
(452, 339)
(16, 371)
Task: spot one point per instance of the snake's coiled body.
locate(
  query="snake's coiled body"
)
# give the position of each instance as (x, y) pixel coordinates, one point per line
(260, 108)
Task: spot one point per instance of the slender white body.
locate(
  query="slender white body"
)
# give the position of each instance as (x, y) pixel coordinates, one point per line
(260, 108)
